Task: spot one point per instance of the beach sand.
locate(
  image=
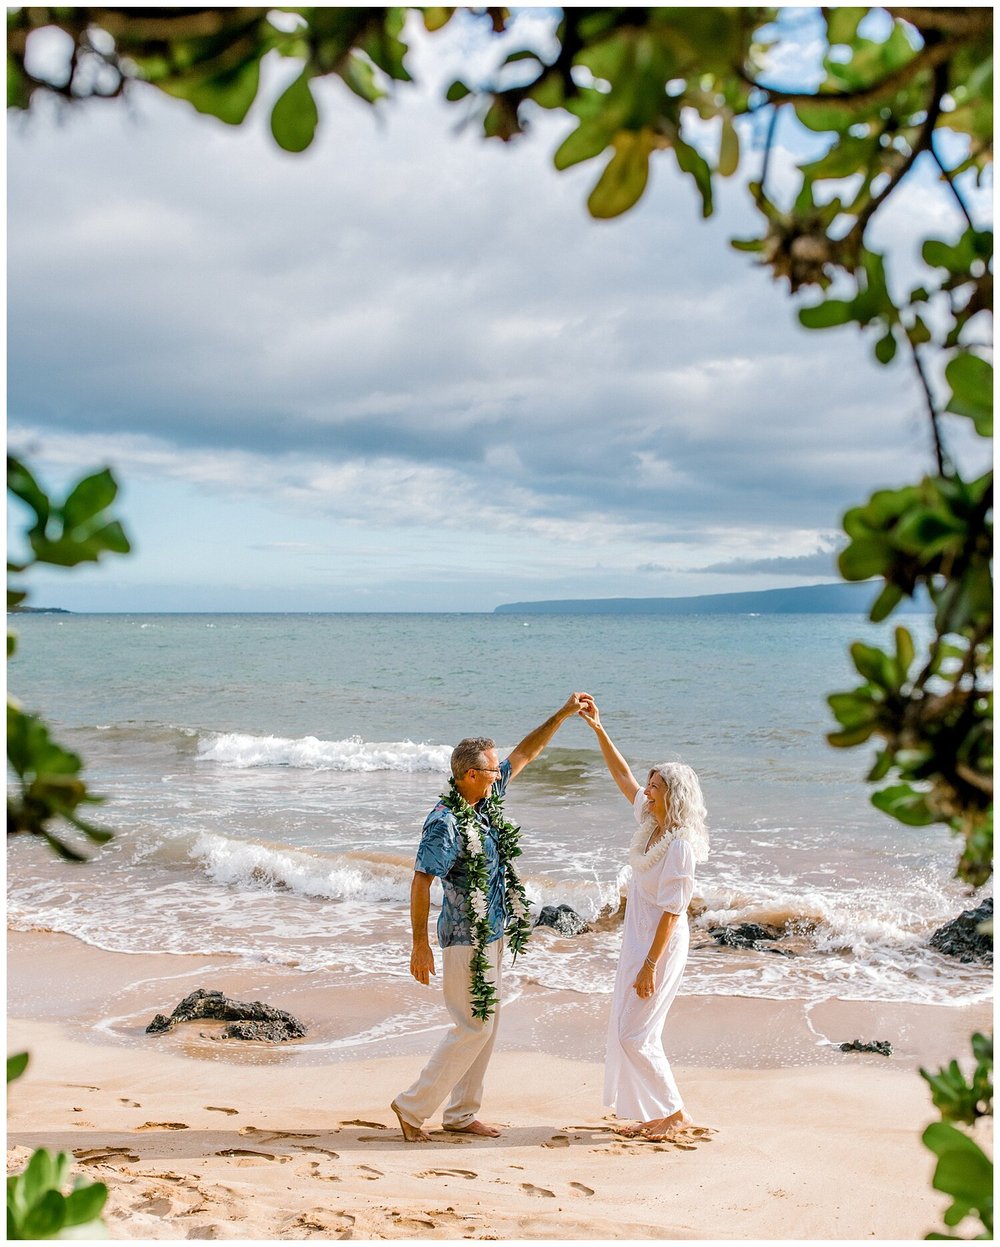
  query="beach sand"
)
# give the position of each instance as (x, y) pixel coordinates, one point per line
(198, 1138)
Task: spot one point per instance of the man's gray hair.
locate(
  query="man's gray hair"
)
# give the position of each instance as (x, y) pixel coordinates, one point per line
(469, 754)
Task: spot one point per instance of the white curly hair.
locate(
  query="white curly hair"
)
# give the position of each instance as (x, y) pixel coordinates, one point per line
(686, 810)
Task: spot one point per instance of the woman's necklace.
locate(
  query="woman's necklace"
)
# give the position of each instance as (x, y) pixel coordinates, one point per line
(648, 848)
(518, 929)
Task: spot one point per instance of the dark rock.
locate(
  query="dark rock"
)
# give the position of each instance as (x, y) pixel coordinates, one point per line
(267, 1032)
(748, 935)
(962, 938)
(277, 1025)
(881, 1046)
(562, 918)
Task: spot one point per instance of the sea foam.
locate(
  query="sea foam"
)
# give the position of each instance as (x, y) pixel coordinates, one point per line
(233, 863)
(237, 749)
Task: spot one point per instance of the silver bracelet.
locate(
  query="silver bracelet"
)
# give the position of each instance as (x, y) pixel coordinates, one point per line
(651, 964)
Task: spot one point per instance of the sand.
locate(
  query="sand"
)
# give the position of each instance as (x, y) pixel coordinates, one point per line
(198, 1138)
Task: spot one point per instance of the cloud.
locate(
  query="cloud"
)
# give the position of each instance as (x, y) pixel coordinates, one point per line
(819, 563)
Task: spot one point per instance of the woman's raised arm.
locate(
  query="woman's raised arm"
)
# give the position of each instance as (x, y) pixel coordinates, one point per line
(616, 764)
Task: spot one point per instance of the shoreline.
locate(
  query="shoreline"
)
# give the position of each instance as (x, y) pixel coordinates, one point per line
(108, 998)
(198, 1138)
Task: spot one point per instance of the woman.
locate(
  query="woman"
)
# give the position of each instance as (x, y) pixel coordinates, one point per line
(670, 839)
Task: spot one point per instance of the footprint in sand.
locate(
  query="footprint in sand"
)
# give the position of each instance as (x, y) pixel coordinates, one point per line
(370, 1174)
(446, 1173)
(107, 1155)
(214, 1108)
(372, 1125)
(163, 1125)
(153, 1205)
(557, 1140)
(245, 1151)
(584, 1190)
(131, 1103)
(322, 1220)
(530, 1189)
(269, 1135)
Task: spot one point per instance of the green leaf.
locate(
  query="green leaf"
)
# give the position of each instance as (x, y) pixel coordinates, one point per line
(38, 1176)
(227, 96)
(588, 140)
(435, 18)
(359, 75)
(691, 161)
(842, 23)
(457, 91)
(905, 650)
(23, 485)
(822, 117)
(295, 116)
(885, 348)
(963, 1171)
(905, 804)
(971, 381)
(45, 1217)
(624, 177)
(85, 1203)
(824, 315)
(863, 558)
(876, 666)
(16, 1065)
(853, 709)
(89, 497)
(850, 737)
(729, 149)
(886, 603)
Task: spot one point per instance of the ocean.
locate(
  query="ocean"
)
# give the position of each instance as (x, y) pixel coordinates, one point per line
(267, 777)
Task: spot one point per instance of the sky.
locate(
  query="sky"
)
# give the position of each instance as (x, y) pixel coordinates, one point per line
(405, 371)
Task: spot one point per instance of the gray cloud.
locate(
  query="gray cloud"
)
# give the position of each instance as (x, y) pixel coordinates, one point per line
(819, 563)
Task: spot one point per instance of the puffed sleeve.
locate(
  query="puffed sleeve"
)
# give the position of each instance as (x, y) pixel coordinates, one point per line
(676, 878)
(439, 844)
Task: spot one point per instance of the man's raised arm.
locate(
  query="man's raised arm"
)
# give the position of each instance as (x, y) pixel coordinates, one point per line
(533, 744)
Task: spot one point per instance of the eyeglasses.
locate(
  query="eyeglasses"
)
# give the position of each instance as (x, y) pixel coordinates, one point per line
(487, 770)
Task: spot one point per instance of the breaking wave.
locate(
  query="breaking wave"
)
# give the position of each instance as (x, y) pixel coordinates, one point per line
(237, 749)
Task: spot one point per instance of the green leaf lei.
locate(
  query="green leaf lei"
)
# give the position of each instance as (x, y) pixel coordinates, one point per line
(518, 928)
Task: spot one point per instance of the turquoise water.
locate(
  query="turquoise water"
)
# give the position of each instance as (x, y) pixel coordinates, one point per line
(267, 778)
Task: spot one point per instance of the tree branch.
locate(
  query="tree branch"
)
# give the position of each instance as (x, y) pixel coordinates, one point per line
(958, 21)
(948, 178)
(932, 411)
(926, 58)
(922, 143)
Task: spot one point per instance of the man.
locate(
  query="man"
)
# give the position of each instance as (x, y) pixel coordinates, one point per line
(457, 1067)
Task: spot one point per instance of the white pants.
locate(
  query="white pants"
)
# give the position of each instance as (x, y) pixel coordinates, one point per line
(458, 1064)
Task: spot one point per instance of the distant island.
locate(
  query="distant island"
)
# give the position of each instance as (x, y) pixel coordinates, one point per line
(37, 610)
(835, 599)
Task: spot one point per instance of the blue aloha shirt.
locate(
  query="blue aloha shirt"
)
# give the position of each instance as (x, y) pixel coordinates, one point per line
(440, 853)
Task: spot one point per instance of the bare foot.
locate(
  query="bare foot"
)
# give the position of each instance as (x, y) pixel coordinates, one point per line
(412, 1134)
(475, 1127)
(627, 1131)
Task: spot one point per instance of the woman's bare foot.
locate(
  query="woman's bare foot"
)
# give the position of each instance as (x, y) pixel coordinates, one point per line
(412, 1134)
(679, 1123)
(475, 1127)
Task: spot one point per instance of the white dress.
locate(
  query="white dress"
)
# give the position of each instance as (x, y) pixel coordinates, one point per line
(638, 1082)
